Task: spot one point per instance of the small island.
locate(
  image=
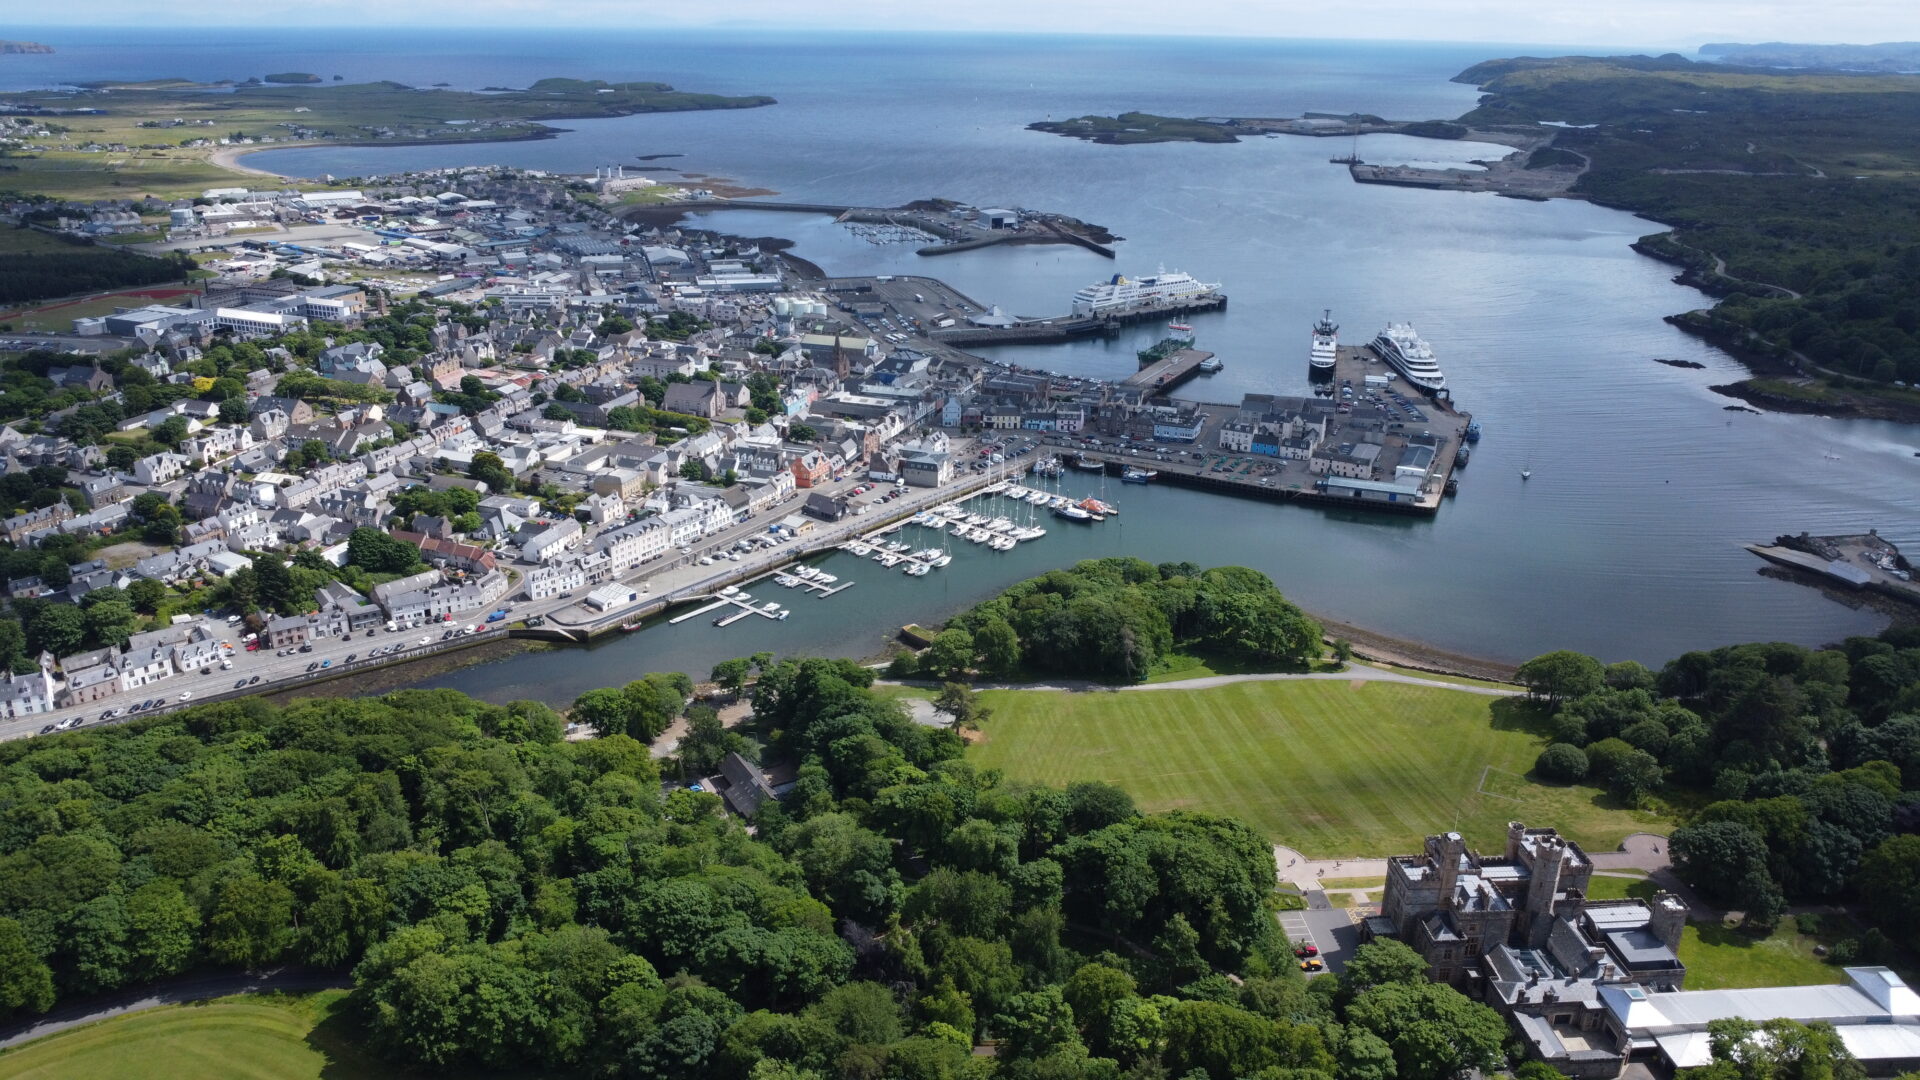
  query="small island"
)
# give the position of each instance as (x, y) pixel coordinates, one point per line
(1137, 127)
(291, 77)
(24, 47)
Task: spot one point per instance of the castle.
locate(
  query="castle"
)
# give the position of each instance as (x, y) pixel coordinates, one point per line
(1518, 931)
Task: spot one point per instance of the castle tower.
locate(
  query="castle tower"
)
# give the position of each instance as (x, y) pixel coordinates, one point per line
(1516, 831)
(1669, 919)
(1452, 849)
(1543, 885)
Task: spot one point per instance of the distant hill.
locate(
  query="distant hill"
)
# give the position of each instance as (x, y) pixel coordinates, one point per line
(24, 47)
(1889, 56)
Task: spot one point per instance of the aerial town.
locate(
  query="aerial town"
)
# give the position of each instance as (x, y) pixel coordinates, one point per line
(555, 407)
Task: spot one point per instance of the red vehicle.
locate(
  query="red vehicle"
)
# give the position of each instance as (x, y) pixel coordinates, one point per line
(1306, 950)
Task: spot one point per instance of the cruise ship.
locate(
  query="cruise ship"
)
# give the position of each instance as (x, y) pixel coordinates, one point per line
(1326, 347)
(1410, 356)
(1124, 292)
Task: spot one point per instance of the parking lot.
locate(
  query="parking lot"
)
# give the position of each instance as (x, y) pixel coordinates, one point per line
(1328, 929)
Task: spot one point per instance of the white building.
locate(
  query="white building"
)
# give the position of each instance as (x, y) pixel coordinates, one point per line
(27, 695)
(611, 597)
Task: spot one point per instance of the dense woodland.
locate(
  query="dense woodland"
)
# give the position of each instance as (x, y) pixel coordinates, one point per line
(1117, 618)
(1800, 181)
(1807, 762)
(504, 898)
(64, 266)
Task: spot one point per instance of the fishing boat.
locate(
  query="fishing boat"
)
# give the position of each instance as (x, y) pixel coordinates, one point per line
(630, 627)
(1137, 476)
(1210, 365)
(1087, 464)
(1181, 327)
(1473, 432)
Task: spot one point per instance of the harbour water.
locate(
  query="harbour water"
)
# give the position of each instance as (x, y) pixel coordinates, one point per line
(1627, 540)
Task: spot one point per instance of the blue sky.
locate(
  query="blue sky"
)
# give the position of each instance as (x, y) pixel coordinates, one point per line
(1664, 23)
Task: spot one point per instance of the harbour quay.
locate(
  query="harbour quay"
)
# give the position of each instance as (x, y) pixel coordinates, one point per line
(1365, 441)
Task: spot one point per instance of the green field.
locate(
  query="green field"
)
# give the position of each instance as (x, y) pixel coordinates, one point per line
(1719, 958)
(238, 1038)
(1332, 768)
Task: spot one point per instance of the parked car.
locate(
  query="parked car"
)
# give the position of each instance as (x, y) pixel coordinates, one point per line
(1312, 965)
(1306, 950)
(253, 680)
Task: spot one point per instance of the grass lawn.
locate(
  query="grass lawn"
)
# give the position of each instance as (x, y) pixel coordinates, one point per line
(238, 1038)
(1608, 887)
(1180, 667)
(1722, 958)
(1351, 883)
(1332, 768)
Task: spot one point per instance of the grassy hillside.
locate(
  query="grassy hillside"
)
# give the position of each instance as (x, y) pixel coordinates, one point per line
(1329, 767)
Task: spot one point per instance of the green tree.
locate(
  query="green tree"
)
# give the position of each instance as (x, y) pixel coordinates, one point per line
(1889, 881)
(960, 702)
(147, 595)
(273, 585)
(1563, 762)
(252, 922)
(604, 710)
(732, 674)
(950, 654)
(374, 551)
(57, 628)
(26, 983)
(491, 471)
(998, 647)
(1561, 676)
(162, 929)
(1435, 1031)
(1380, 963)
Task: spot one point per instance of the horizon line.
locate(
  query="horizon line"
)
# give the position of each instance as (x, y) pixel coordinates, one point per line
(823, 29)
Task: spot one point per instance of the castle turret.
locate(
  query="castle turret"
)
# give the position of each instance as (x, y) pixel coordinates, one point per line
(1452, 849)
(1669, 919)
(1543, 884)
(1516, 831)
